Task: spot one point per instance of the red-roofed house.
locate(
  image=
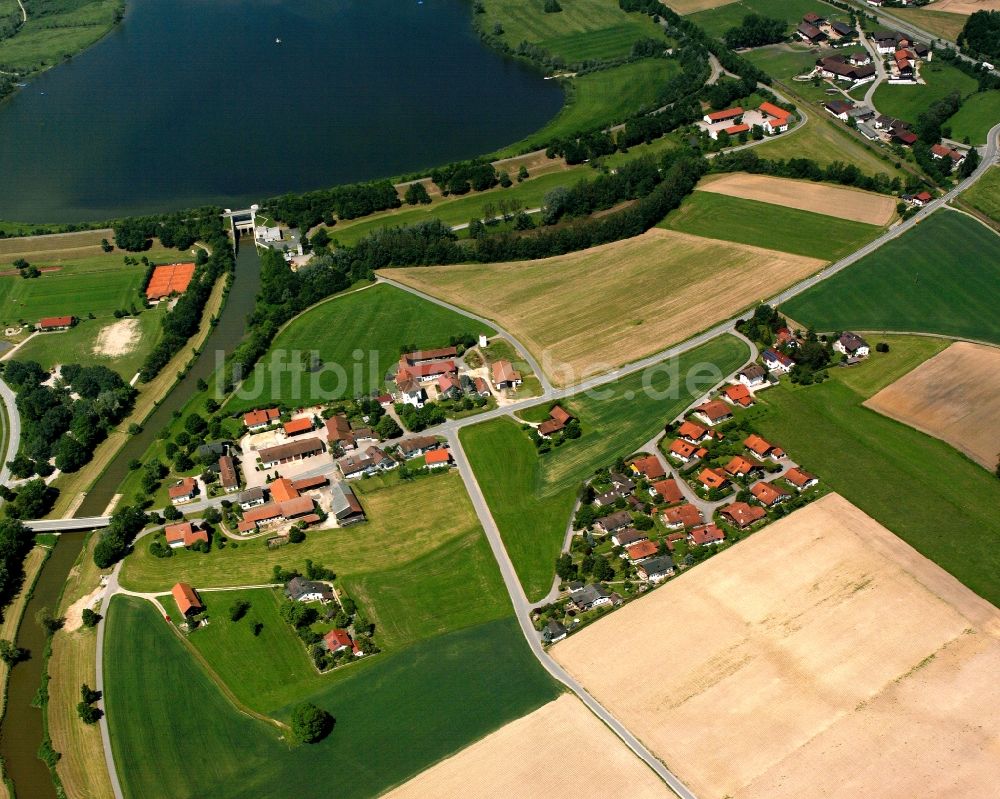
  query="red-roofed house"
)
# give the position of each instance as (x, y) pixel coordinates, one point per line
(686, 515)
(738, 394)
(713, 478)
(282, 489)
(641, 551)
(184, 491)
(338, 640)
(740, 467)
(504, 374)
(713, 412)
(298, 426)
(50, 323)
(733, 114)
(682, 450)
(768, 494)
(801, 479)
(736, 130)
(741, 514)
(667, 490)
(706, 534)
(183, 534)
(437, 458)
(649, 467)
(188, 602)
(228, 478)
(449, 387)
(693, 432)
(762, 448)
(558, 418)
(258, 420)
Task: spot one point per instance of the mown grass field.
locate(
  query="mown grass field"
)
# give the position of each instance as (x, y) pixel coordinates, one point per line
(941, 277)
(984, 195)
(584, 29)
(785, 61)
(457, 210)
(99, 284)
(174, 734)
(603, 98)
(766, 225)
(979, 113)
(66, 28)
(942, 23)
(716, 21)
(907, 102)
(78, 345)
(931, 496)
(358, 337)
(531, 496)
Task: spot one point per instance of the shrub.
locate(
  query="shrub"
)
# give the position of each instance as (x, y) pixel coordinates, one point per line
(311, 723)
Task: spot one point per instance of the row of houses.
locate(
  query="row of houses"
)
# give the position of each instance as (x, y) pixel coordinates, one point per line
(374, 460)
(816, 29)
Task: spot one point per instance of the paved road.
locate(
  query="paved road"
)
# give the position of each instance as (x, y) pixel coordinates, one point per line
(13, 432)
(880, 72)
(109, 758)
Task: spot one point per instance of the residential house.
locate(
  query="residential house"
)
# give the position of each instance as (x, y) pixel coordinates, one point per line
(705, 535)
(411, 392)
(810, 33)
(713, 412)
(839, 67)
(741, 467)
(438, 459)
(299, 589)
(641, 551)
(666, 491)
(183, 491)
(449, 387)
(557, 421)
(622, 483)
(504, 375)
(554, 632)
(424, 372)
(416, 446)
(673, 538)
(777, 362)
(339, 433)
(649, 467)
(852, 345)
(904, 137)
(921, 199)
(251, 498)
(685, 515)
(713, 479)
(260, 419)
(839, 108)
(282, 490)
(693, 432)
(732, 115)
(290, 451)
(228, 478)
(801, 479)
(741, 514)
(589, 597)
(53, 323)
(940, 152)
(187, 599)
(682, 450)
(738, 394)
(859, 58)
(614, 522)
(752, 375)
(655, 570)
(482, 387)
(762, 448)
(608, 498)
(768, 494)
(184, 534)
(344, 505)
(298, 426)
(627, 537)
(338, 640)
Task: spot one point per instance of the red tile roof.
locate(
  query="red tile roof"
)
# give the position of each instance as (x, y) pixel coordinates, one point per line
(186, 598)
(757, 445)
(559, 414)
(739, 394)
(650, 467)
(712, 478)
(262, 513)
(773, 111)
(735, 130)
(715, 410)
(798, 477)
(55, 321)
(296, 426)
(644, 549)
(436, 456)
(686, 514)
(282, 489)
(307, 483)
(337, 639)
(692, 431)
(227, 472)
(430, 355)
(739, 466)
(767, 493)
(684, 449)
(741, 514)
(184, 488)
(263, 416)
(503, 372)
(729, 113)
(706, 534)
(668, 490)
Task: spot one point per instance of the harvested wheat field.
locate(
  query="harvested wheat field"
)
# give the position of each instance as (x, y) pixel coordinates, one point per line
(691, 6)
(57, 246)
(118, 338)
(954, 396)
(820, 198)
(821, 657)
(521, 759)
(588, 312)
(964, 7)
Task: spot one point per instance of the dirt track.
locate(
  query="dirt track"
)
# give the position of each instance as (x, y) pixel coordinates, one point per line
(588, 312)
(561, 749)
(954, 396)
(820, 198)
(822, 657)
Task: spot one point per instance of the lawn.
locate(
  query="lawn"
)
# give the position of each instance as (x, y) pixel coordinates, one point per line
(767, 225)
(907, 102)
(941, 277)
(785, 61)
(66, 28)
(583, 30)
(985, 194)
(455, 210)
(979, 113)
(174, 734)
(79, 345)
(716, 21)
(531, 496)
(922, 489)
(99, 284)
(603, 98)
(358, 337)
(501, 349)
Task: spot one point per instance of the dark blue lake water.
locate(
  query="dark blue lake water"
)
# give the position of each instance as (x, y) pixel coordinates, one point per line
(190, 102)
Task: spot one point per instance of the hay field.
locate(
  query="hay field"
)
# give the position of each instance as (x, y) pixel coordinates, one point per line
(821, 198)
(693, 6)
(820, 657)
(954, 396)
(965, 7)
(588, 312)
(520, 760)
(57, 246)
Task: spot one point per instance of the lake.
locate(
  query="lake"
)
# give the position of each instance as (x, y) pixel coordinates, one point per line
(189, 103)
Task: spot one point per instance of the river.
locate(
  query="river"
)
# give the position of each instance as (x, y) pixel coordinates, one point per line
(188, 103)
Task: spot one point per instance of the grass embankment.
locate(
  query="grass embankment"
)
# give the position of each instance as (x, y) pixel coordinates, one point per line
(72, 486)
(583, 30)
(531, 496)
(942, 276)
(766, 225)
(717, 21)
(908, 102)
(382, 318)
(72, 663)
(979, 113)
(922, 489)
(174, 734)
(984, 195)
(56, 30)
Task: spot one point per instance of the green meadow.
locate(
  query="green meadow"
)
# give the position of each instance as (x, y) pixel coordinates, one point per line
(984, 195)
(717, 21)
(531, 496)
(907, 102)
(979, 113)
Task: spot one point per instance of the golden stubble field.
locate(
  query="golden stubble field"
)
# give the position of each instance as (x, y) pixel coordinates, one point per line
(561, 749)
(964, 7)
(588, 312)
(820, 198)
(954, 396)
(55, 247)
(822, 657)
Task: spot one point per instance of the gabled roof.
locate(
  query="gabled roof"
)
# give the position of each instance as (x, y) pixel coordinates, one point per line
(227, 472)
(650, 467)
(644, 549)
(656, 566)
(292, 449)
(692, 430)
(282, 489)
(184, 488)
(686, 514)
(683, 449)
(630, 536)
(258, 417)
(729, 113)
(714, 410)
(799, 477)
(739, 466)
(757, 445)
(739, 394)
(668, 490)
(504, 372)
(296, 426)
(706, 534)
(55, 321)
(712, 478)
(768, 493)
(186, 598)
(741, 514)
(436, 456)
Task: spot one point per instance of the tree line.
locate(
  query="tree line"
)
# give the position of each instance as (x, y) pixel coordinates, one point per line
(354, 200)
(805, 169)
(981, 34)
